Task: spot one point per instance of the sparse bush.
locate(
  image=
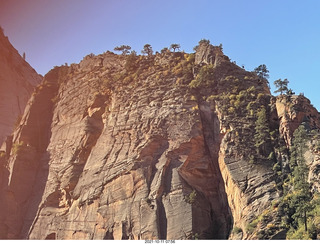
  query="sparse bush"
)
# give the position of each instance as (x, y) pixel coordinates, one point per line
(201, 42)
(131, 61)
(193, 236)
(18, 147)
(205, 77)
(252, 226)
(237, 230)
(191, 198)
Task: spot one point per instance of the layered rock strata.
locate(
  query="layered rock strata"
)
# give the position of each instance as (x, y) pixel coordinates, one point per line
(109, 149)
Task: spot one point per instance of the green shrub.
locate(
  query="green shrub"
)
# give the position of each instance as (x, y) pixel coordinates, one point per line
(193, 236)
(236, 230)
(18, 147)
(252, 226)
(191, 198)
(131, 61)
(205, 77)
(299, 234)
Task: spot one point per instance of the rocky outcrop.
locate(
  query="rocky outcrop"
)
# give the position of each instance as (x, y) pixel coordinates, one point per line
(119, 148)
(294, 110)
(209, 54)
(131, 164)
(17, 82)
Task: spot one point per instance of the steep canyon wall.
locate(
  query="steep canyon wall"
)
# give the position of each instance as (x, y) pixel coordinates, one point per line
(109, 149)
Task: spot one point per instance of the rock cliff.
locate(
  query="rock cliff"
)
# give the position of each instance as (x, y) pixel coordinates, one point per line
(17, 81)
(149, 147)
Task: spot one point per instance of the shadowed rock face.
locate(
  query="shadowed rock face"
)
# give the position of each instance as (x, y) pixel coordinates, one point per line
(17, 82)
(113, 165)
(103, 152)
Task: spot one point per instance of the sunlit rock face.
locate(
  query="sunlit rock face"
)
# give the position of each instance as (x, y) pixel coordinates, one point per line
(113, 149)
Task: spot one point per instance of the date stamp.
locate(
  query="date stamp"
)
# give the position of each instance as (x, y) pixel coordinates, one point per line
(160, 241)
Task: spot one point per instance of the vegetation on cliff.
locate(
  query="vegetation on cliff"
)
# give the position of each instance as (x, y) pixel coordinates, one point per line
(241, 98)
(298, 203)
(205, 142)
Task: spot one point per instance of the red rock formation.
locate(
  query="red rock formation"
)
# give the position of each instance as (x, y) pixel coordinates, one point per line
(107, 153)
(17, 82)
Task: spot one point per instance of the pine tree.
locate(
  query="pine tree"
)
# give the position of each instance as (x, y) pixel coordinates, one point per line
(147, 49)
(262, 71)
(125, 49)
(262, 132)
(131, 61)
(282, 86)
(300, 194)
(175, 46)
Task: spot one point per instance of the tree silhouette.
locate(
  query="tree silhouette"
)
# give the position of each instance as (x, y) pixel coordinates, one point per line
(175, 46)
(131, 61)
(282, 86)
(262, 71)
(147, 49)
(125, 49)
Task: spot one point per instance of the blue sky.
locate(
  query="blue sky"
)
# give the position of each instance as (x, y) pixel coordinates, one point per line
(283, 34)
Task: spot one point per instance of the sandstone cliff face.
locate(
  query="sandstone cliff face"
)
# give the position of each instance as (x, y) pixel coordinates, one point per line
(292, 112)
(109, 149)
(17, 81)
(118, 165)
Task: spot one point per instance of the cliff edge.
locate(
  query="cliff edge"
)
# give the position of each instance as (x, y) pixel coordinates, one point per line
(163, 146)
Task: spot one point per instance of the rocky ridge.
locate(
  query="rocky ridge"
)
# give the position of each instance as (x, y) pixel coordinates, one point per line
(157, 148)
(17, 82)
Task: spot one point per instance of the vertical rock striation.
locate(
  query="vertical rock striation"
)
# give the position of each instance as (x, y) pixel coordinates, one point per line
(17, 82)
(112, 149)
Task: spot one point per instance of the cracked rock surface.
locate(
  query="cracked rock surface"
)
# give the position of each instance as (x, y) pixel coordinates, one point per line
(17, 82)
(105, 154)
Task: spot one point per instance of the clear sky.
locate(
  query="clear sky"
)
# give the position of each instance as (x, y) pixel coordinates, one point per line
(283, 34)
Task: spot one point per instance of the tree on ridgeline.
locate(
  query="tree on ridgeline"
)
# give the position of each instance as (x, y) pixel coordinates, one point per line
(262, 71)
(125, 49)
(147, 49)
(282, 86)
(175, 46)
(131, 61)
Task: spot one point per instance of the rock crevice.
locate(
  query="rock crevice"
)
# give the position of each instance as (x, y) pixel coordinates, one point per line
(108, 152)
